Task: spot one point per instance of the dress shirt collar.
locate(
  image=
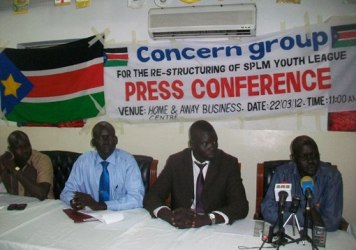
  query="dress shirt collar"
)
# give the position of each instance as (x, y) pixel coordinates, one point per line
(110, 159)
(195, 160)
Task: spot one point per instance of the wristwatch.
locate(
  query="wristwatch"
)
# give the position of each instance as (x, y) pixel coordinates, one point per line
(18, 172)
(212, 218)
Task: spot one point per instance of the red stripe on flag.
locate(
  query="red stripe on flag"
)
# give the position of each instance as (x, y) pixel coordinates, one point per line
(118, 56)
(68, 82)
(347, 34)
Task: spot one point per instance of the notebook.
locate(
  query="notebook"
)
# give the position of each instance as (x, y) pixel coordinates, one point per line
(78, 217)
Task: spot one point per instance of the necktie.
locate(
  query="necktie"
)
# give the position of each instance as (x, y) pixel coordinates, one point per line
(104, 185)
(199, 189)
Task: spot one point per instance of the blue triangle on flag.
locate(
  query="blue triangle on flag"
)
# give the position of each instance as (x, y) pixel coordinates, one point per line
(8, 70)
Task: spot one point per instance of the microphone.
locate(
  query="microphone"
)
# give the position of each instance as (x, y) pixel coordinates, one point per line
(307, 185)
(282, 199)
(295, 205)
(285, 188)
(282, 193)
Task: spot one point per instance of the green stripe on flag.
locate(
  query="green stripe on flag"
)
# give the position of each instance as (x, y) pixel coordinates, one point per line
(55, 112)
(115, 63)
(345, 43)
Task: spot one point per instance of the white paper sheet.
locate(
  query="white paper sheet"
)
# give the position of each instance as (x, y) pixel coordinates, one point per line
(105, 216)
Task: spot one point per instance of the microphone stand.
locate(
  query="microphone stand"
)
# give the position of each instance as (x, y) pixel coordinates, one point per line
(304, 235)
(295, 222)
(281, 236)
(293, 210)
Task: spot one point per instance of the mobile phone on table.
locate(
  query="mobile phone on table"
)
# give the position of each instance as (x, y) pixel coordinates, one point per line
(16, 206)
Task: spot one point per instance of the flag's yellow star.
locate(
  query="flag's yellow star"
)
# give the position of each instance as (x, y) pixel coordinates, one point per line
(10, 86)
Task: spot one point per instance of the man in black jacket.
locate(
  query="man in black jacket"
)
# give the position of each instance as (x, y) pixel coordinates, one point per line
(223, 197)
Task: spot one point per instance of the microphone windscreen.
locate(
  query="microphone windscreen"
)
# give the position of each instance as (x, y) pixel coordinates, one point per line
(287, 187)
(307, 182)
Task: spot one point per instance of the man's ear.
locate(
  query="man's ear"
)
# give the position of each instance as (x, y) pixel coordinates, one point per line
(292, 157)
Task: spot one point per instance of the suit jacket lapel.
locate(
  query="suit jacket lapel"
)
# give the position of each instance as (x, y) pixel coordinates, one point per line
(187, 171)
(213, 171)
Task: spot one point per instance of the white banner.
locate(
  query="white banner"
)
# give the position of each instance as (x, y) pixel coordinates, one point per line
(293, 71)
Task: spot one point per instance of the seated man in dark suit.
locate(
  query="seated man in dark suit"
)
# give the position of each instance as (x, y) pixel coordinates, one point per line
(220, 198)
(25, 171)
(327, 194)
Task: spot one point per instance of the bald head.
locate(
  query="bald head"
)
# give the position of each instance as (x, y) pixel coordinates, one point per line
(15, 137)
(20, 147)
(104, 139)
(103, 125)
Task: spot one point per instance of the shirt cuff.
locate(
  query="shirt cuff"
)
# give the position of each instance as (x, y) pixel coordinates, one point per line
(226, 219)
(155, 212)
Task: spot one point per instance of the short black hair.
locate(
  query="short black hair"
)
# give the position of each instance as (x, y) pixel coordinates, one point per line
(198, 126)
(299, 142)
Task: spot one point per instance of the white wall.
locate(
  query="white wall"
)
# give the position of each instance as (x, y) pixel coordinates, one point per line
(247, 139)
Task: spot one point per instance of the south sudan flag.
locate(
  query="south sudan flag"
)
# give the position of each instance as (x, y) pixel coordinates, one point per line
(343, 35)
(52, 85)
(116, 57)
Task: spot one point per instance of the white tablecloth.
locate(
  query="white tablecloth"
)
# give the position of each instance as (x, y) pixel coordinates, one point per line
(43, 225)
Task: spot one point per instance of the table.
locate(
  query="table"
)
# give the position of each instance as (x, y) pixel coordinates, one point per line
(43, 225)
